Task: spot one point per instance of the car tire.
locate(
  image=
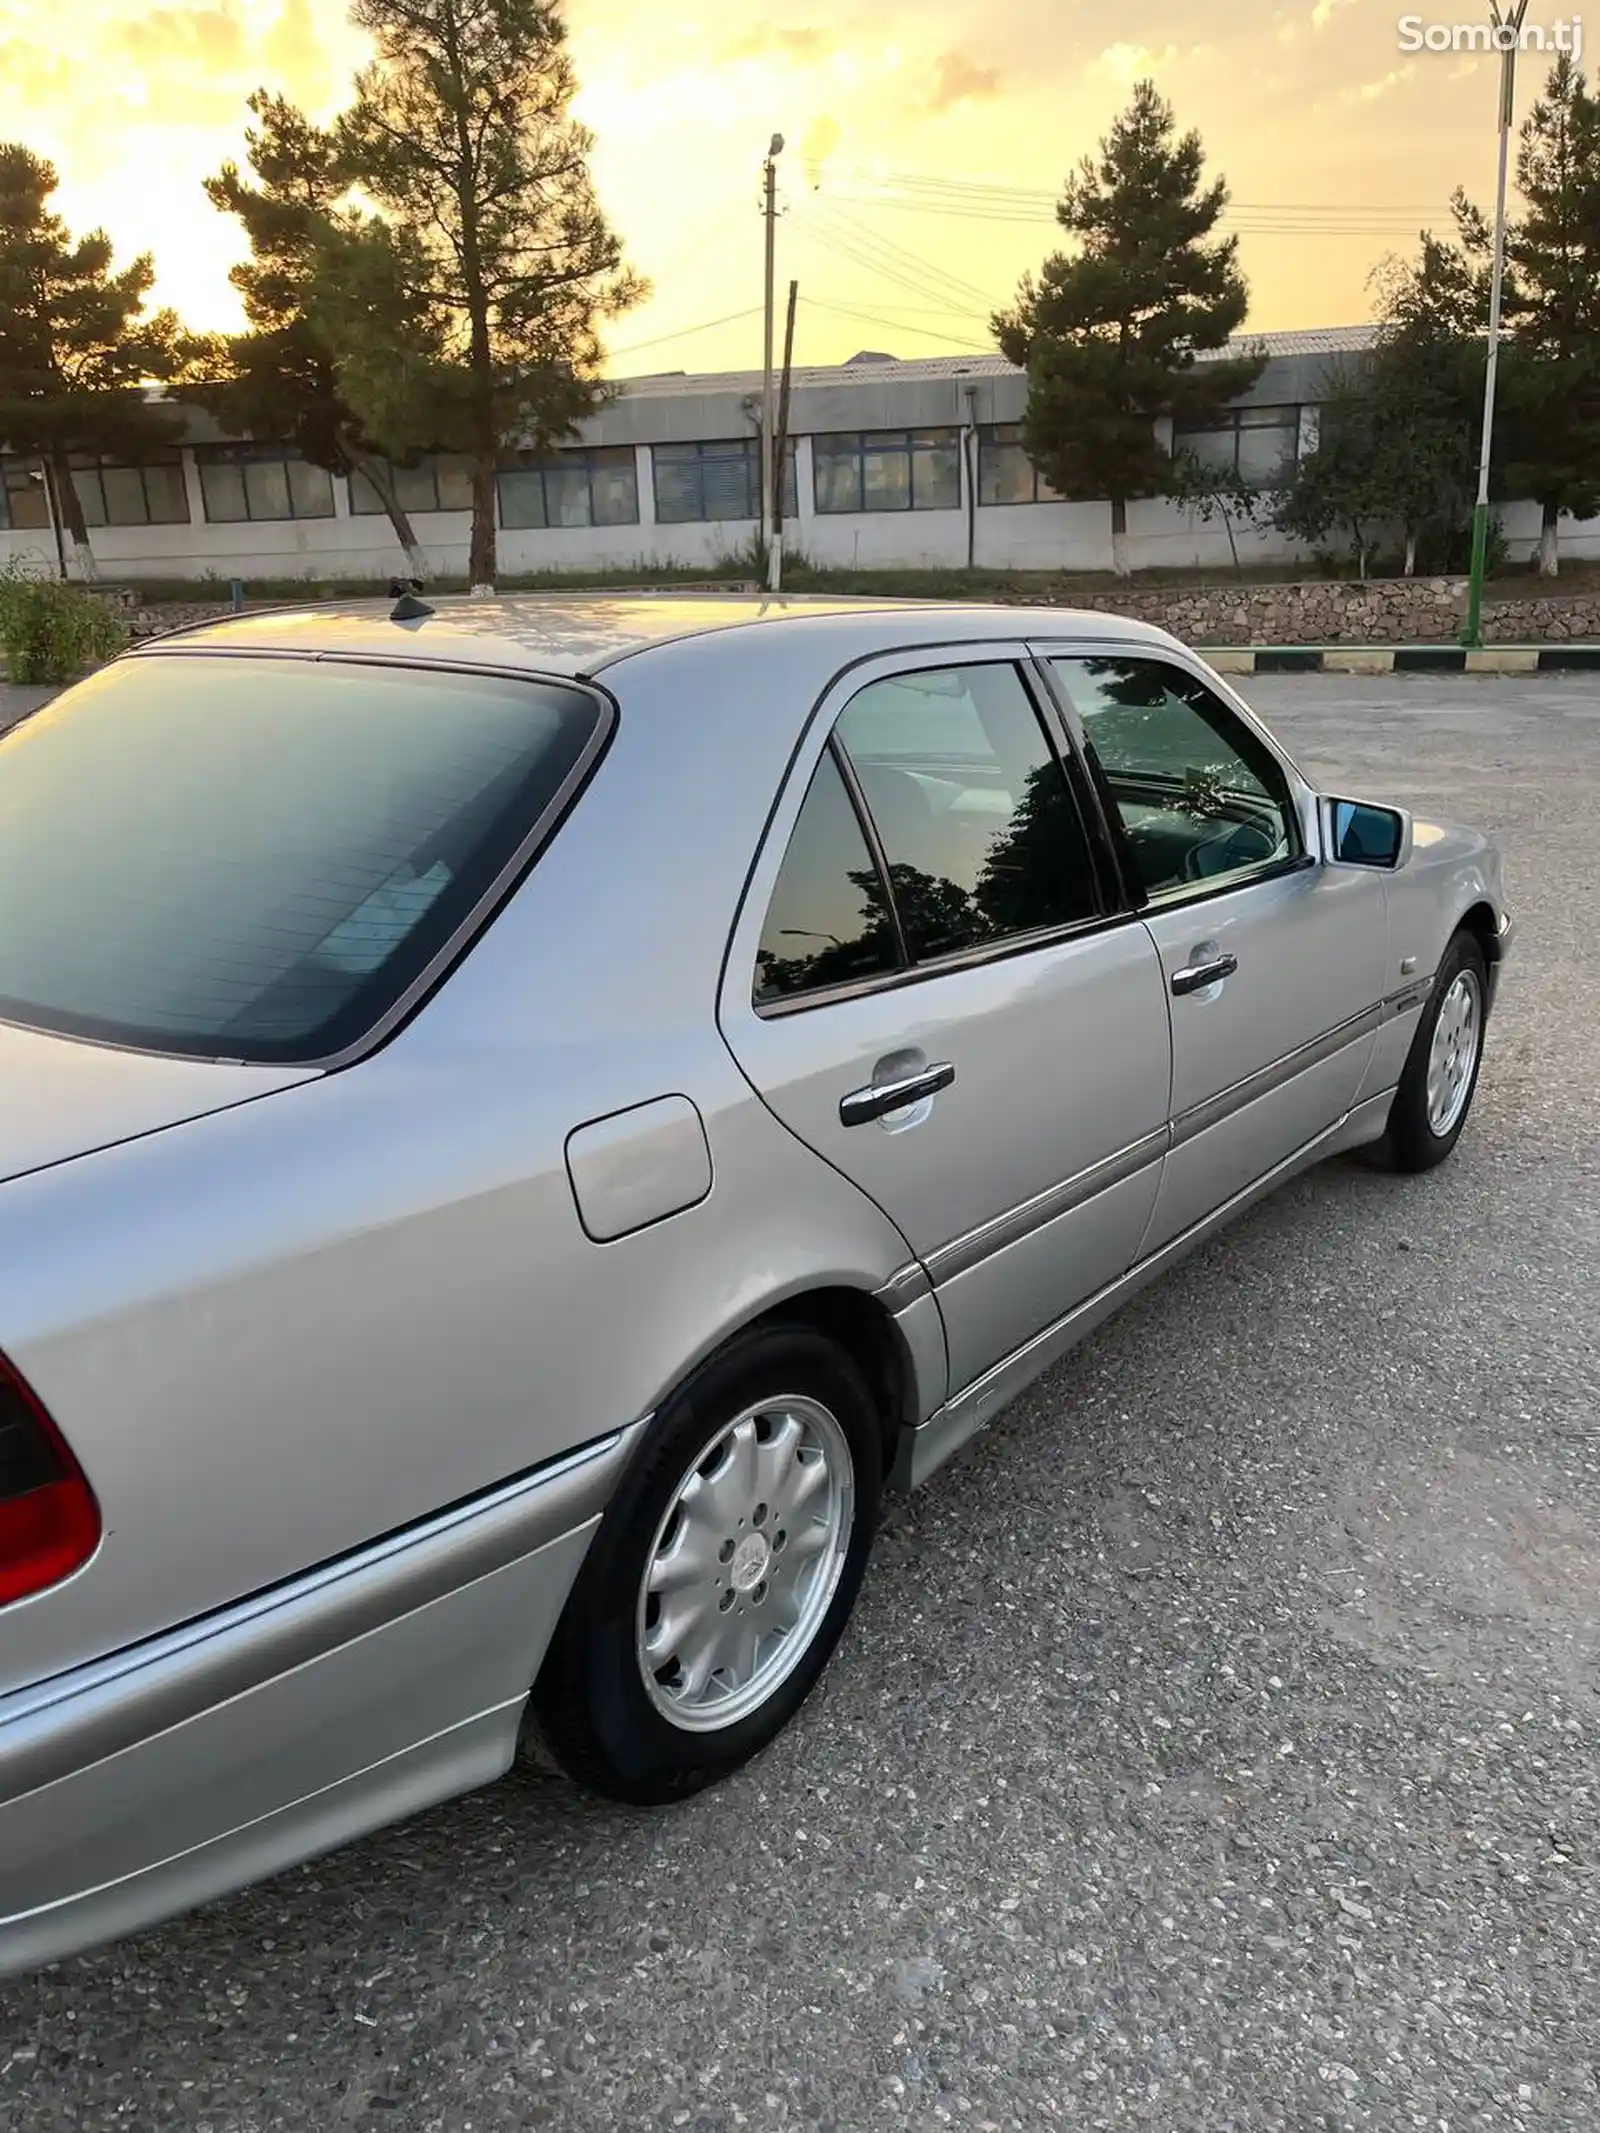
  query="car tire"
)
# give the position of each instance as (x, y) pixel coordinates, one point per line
(1440, 1077)
(722, 1576)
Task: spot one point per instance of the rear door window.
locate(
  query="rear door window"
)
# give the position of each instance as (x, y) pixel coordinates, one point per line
(828, 922)
(255, 858)
(978, 824)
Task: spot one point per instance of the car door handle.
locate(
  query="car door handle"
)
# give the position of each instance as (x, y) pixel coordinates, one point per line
(1195, 977)
(880, 1097)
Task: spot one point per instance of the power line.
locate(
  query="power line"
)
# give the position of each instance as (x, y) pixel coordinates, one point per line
(684, 333)
(917, 181)
(841, 239)
(924, 268)
(1243, 224)
(891, 325)
(978, 201)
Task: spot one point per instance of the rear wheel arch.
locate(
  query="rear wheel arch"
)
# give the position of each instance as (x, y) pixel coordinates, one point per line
(860, 1325)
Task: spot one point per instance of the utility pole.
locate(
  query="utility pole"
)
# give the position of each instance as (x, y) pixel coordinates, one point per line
(1507, 23)
(41, 474)
(780, 451)
(770, 210)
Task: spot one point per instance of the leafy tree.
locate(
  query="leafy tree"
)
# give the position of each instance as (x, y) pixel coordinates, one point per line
(1398, 442)
(1110, 333)
(77, 346)
(1425, 394)
(1427, 372)
(1213, 490)
(1348, 486)
(281, 379)
(1552, 309)
(467, 308)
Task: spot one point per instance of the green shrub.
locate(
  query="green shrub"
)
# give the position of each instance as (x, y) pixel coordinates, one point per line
(50, 631)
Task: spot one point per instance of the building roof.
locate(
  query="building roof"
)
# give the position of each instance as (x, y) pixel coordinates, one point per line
(654, 406)
(869, 368)
(584, 634)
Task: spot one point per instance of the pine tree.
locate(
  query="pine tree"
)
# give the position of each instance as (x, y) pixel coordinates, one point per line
(77, 346)
(470, 305)
(281, 379)
(1552, 309)
(1110, 333)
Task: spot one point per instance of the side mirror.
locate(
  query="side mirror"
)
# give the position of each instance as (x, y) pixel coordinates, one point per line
(1355, 833)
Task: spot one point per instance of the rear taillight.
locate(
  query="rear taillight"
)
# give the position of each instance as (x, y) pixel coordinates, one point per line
(49, 1520)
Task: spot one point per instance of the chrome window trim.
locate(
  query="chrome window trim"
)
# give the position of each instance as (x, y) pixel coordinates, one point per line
(1014, 944)
(908, 656)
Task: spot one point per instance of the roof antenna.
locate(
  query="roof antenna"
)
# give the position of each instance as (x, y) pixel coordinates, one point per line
(407, 607)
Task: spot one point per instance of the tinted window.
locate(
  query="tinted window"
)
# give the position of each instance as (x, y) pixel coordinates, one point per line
(888, 470)
(828, 921)
(976, 819)
(252, 858)
(593, 485)
(1199, 796)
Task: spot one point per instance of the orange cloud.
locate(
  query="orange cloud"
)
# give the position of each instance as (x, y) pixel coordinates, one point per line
(208, 38)
(959, 80)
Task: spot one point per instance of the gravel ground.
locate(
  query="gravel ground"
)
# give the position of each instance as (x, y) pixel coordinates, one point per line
(1216, 1745)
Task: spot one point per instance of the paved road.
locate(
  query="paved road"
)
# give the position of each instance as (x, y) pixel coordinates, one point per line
(15, 703)
(1217, 1746)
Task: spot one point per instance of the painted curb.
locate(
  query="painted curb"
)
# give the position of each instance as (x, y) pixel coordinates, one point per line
(1402, 659)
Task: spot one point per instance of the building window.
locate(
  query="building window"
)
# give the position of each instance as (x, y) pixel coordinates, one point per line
(125, 492)
(23, 508)
(1257, 443)
(698, 483)
(440, 481)
(588, 485)
(1006, 475)
(888, 470)
(261, 481)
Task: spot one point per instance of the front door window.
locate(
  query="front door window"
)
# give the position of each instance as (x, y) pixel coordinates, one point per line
(1201, 801)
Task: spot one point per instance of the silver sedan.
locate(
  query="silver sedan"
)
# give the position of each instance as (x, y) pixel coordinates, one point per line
(521, 1121)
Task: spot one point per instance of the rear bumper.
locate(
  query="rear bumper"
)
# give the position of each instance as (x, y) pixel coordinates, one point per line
(254, 1738)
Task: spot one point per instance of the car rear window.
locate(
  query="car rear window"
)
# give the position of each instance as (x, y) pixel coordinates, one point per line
(254, 858)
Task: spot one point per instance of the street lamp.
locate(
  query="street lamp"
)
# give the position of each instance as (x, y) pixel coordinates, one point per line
(1507, 21)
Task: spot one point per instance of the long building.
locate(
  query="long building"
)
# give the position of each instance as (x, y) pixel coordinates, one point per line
(892, 463)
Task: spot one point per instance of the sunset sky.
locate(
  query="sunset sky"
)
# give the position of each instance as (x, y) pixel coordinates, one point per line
(1336, 146)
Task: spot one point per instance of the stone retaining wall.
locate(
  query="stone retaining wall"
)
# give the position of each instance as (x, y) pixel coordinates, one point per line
(1385, 611)
(155, 621)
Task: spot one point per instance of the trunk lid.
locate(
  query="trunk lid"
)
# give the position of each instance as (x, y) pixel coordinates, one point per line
(61, 1097)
